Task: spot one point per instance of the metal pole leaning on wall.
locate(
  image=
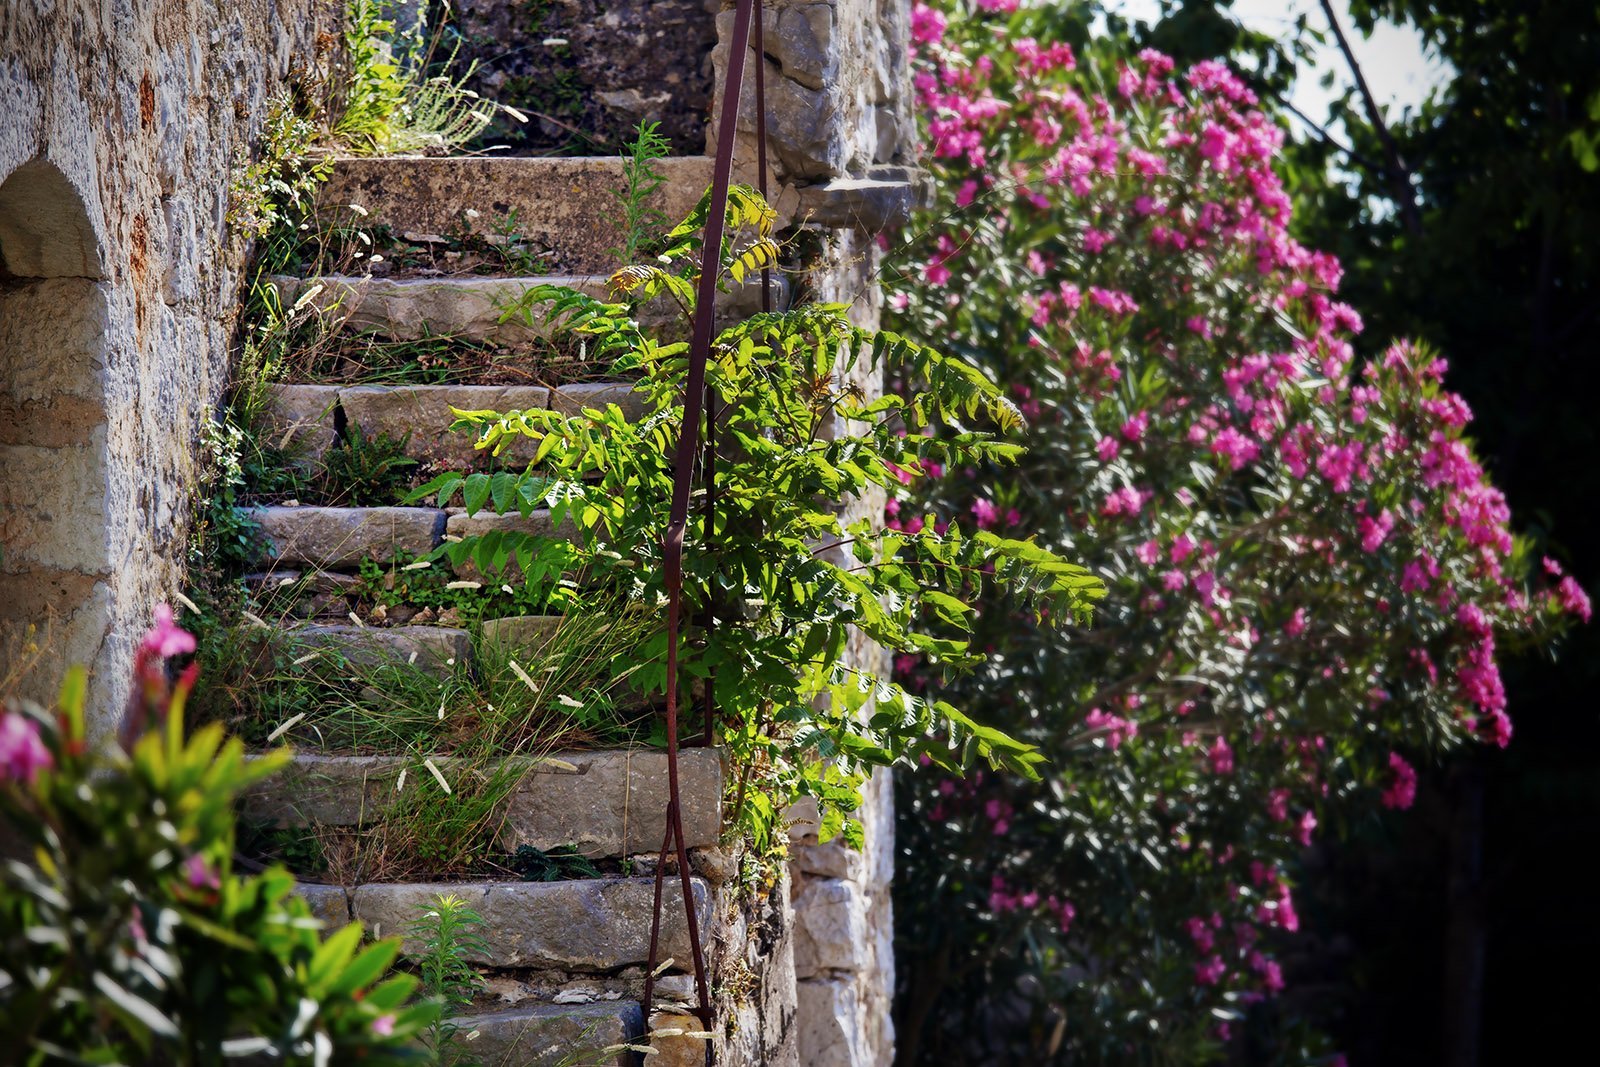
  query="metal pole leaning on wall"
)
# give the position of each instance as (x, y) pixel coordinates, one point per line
(695, 403)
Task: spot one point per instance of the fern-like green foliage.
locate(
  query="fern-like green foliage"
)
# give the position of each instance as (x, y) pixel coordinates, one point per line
(789, 579)
(641, 219)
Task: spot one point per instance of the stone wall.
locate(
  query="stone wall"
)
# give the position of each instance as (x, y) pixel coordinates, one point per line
(121, 122)
(840, 132)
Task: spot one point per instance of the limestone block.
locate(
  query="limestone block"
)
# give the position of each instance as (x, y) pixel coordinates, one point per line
(549, 1035)
(469, 308)
(588, 925)
(334, 537)
(830, 927)
(536, 523)
(564, 204)
(669, 1037)
(607, 803)
(328, 903)
(802, 42)
(828, 1019)
(832, 860)
(421, 416)
(53, 507)
(572, 399)
(520, 635)
(318, 790)
(434, 649)
(613, 803)
(299, 419)
(871, 204)
(64, 317)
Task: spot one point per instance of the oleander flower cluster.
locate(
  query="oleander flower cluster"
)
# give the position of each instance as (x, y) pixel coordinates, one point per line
(1311, 577)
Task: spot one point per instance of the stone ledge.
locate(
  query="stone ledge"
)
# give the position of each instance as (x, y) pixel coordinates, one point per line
(470, 308)
(608, 803)
(406, 309)
(594, 924)
(421, 416)
(549, 1035)
(300, 420)
(435, 650)
(331, 537)
(565, 204)
(881, 201)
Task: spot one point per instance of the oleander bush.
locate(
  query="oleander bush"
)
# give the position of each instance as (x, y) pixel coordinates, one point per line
(125, 934)
(1310, 577)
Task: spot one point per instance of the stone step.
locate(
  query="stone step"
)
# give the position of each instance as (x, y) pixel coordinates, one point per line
(329, 540)
(339, 538)
(589, 925)
(472, 308)
(435, 650)
(607, 803)
(305, 418)
(550, 1035)
(565, 205)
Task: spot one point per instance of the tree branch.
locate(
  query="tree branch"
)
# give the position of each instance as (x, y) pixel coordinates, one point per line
(1399, 174)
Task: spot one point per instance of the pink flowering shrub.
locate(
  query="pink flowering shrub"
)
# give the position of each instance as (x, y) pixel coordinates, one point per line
(129, 939)
(1310, 576)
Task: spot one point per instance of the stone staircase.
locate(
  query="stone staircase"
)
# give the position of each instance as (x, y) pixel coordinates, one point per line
(565, 965)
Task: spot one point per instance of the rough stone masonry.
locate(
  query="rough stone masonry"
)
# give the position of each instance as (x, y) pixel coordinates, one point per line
(119, 124)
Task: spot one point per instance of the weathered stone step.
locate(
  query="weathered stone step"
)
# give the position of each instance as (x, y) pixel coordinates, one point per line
(606, 803)
(330, 539)
(591, 925)
(470, 308)
(434, 650)
(304, 418)
(334, 538)
(551, 1035)
(567, 205)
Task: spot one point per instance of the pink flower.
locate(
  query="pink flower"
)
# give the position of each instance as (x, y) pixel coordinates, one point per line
(1375, 530)
(22, 753)
(1308, 823)
(199, 874)
(1296, 624)
(1402, 791)
(927, 27)
(1278, 805)
(1182, 547)
(1235, 447)
(383, 1025)
(1134, 428)
(1573, 599)
(985, 513)
(167, 639)
(1221, 757)
(1210, 971)
(1107, 448)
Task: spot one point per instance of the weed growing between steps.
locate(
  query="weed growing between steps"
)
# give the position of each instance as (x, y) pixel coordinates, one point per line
(398, 90)
(449, 935)
(789, 581)
(267, 679)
